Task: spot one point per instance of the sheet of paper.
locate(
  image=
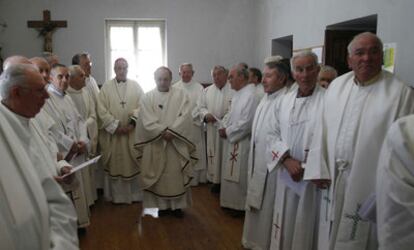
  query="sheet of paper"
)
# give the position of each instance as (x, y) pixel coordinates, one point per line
(83, 165)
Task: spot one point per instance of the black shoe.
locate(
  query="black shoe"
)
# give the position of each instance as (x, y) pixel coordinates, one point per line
(215, 189)
(163, 212)
(236, 213)
(81, 231)
(178, 213)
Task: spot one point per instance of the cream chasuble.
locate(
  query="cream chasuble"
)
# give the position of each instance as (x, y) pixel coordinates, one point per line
(214, 101)
(118, 104)
(38, 207)
(261, 184)
(166, 167)
(195, 90)
(346, 149)
(395, 189)
(238, 124)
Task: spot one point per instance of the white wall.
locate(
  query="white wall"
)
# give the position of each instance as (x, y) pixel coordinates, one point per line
(203, 32)
(307, 19)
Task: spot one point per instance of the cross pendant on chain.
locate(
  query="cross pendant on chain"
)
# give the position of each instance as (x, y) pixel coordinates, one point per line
(123, 104)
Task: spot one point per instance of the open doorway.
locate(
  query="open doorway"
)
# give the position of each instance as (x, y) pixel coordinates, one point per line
(338, 36)
(282, 46)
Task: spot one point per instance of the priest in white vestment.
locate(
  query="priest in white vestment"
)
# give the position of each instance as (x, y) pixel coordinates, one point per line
(118, 106)
(359, 108)
(39, 215)
(255, 77)
(395, 191)
(236, 129)
(194, 90)
(84, 61)
(45, 126)
(212, 105)
(86, 107)
(166, 155)
(292, 124)
(71, 137)
(261, 183)
(326, 75)
(92, 88)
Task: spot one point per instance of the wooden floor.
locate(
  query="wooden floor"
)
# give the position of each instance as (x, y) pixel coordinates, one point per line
(204, 226)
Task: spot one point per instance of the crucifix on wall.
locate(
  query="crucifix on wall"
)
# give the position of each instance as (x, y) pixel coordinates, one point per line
(46, 28)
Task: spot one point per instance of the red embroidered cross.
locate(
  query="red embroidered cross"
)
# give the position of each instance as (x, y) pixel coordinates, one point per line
(211, 156)
(234, 155)
(275, 155)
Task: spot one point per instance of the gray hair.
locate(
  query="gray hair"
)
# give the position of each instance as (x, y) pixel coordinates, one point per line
(242, 71)
(16, 59)
(275, 58)
(14, 75)
(302, 54)
(281, 67)
(220, 68)
(74, 70)
(186, 64)
(327, 68)
(359, 36)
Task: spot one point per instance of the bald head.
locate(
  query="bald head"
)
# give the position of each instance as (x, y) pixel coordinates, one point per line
(43, 66)
(13, 60)
(365, 56)
(23, 90)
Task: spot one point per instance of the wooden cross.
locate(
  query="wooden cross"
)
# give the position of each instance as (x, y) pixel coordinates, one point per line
(356, 219)
(123, 104)
(234, 155)
(46, 28)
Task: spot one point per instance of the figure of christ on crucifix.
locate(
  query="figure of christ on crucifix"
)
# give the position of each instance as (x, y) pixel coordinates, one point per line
(46, 28)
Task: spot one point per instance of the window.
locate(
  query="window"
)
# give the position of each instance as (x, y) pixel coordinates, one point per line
(141, 43)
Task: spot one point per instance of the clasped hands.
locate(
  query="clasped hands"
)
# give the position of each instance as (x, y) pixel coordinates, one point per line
(124, 130)
(209, 118)
(294, 167)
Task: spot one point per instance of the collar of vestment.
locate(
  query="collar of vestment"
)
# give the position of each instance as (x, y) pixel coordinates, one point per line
(55, 90)
(275, 94)
(73, 91)
(299, 95)
(369, 82)
(22, 120)
(246, 87)
(120, 81)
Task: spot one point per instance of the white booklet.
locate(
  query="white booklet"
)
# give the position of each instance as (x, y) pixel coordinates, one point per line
(85, 164)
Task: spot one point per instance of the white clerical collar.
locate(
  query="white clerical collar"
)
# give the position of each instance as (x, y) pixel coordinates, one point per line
(55, 90)
(116, 80)
(72, 90)
(275, 94)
